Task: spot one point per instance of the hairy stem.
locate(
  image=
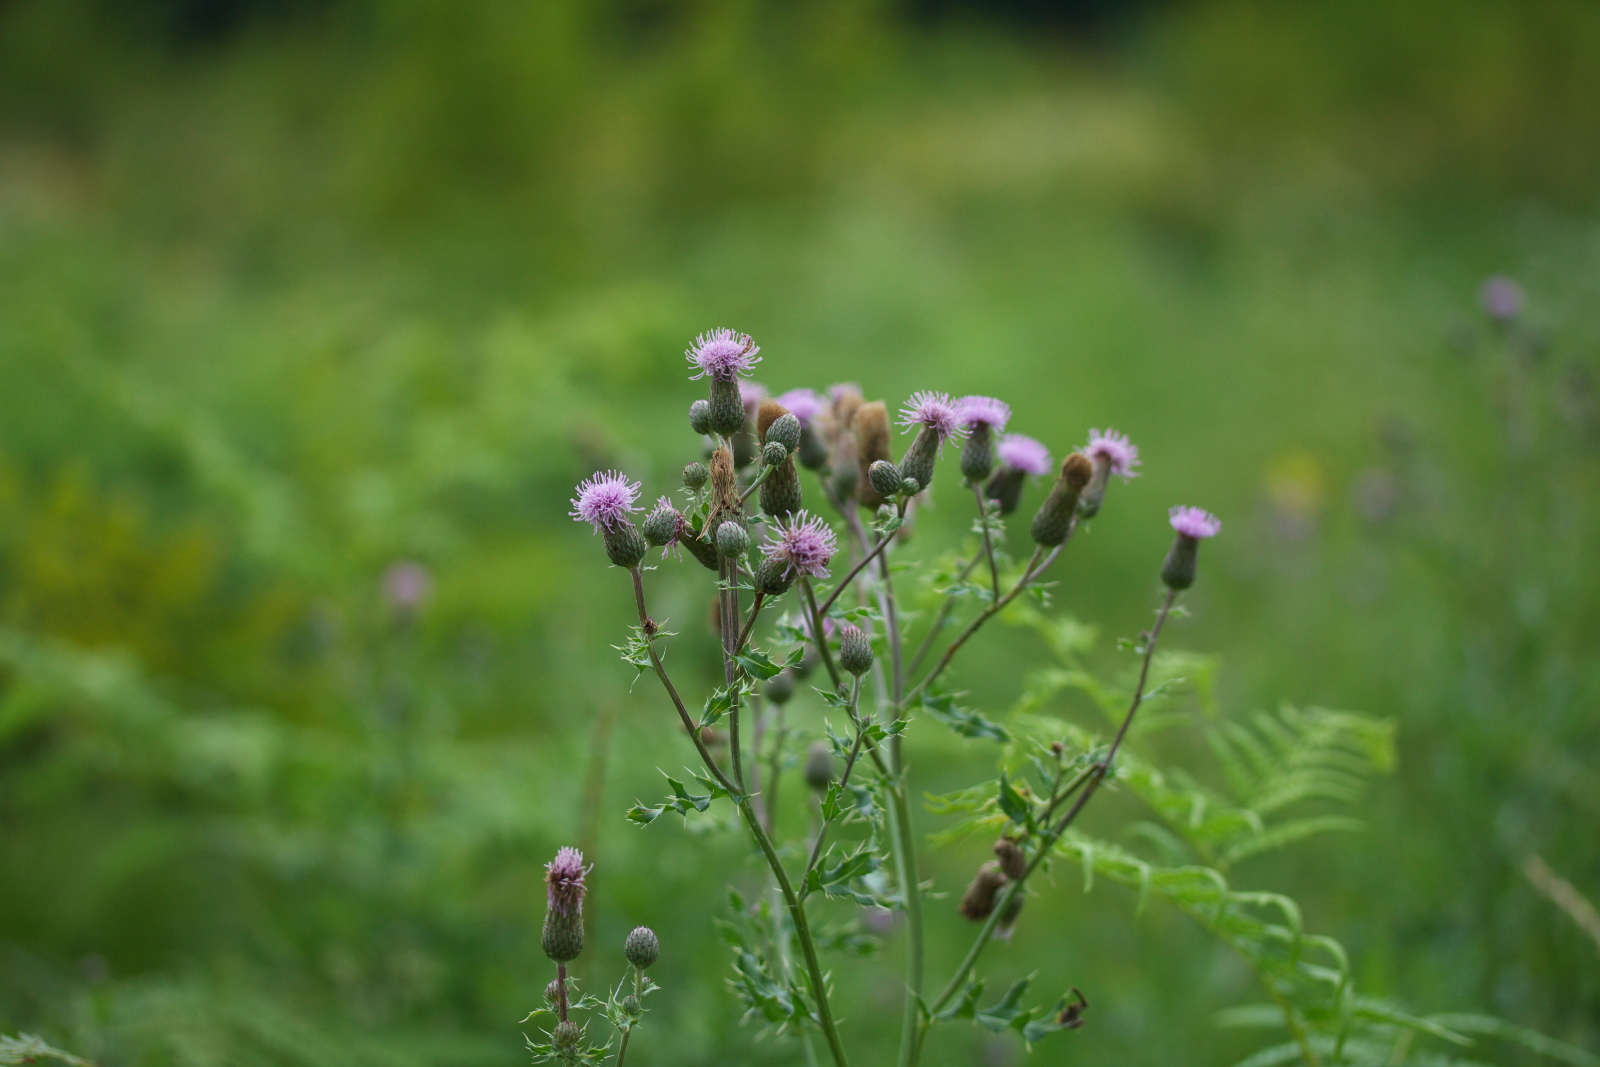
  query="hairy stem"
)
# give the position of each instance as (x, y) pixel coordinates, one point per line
(561, 989)
(988, 545)
(730, 668)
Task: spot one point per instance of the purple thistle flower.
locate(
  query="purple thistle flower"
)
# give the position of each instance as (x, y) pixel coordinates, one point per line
(841, 390)
(1501, 298)
(1115, 448)
(1021, 452)
(1194, 522)
(935, 411)
(974, 411)
(723, 354)
(802, 403)
(604, 499)
(563, 881)
(804, 544)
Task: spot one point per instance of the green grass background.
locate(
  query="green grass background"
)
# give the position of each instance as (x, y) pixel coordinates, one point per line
(381, 279)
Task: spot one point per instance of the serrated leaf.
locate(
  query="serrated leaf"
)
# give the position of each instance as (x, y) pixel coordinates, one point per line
(964, 721)
(757, 664)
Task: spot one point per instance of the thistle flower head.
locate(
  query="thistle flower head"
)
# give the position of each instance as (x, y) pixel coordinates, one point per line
(1194, 522)
(933, 411)
(804, 545)
(723, 354)
(1023, 453)
(803, 404)
(1501, 298)
(563, 881)
(975, 411)
(1114, 449)
(604, 500)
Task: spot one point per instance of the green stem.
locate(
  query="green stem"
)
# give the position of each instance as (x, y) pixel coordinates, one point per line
(988, 545)
(938, 620)
(844, 779)
(818, 636)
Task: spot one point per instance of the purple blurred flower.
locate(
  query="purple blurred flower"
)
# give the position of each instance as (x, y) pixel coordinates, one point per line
(804, 544)
(935, 411)
(802, 403)
(1194, 522)
(406, 585)
(1115, 449)
(1501, 298)
(604, 499)
(751, 394)
(843, 389)
(563, 881)
(723, 354)
(972, 411)
(1023, 453)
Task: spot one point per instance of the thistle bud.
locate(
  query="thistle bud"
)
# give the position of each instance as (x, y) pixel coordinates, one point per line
(780, 687)
(552, 992)
(566, 1035)
(978, 901)
(773, 578)
(855, 651)
(819, 768)
(726, 415)
(917, 466)
(641, 947)
(870, 428)
(695, 476)
(781, 495)
(562, 937)
(733, 540)
(1005, 488)
(661, 526)
(632, 1007)
(773, 453)
(786, 431)
(700, 417)
(625, 545)
(1053, 522)
(1012, 861)
(885, 478)
(704, 551)
(1192, 525)
(977, 455)
(813, 451)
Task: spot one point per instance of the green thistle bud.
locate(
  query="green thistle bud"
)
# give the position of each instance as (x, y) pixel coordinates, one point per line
(780, 687)
(552, 992)
(631, 1006)
(625, 545)
(819, 768)
(695, 476)
(885, 478)
(773, 453)
(661, 526)
(1094, 494)
(786, 431)
(813, 450)
(1178, 570)
(733, 540)
(702, 550)
(727, 407)
(642, 947)
(1005, 488)
(773, 578)
(917, 464)
(855, 651)
(700, 417)
(1053, 522)
(780, 494)
(977, 455)
(910, 486)
(566, 1035)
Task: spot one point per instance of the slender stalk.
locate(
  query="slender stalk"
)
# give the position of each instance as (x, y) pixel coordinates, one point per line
(938, 620)
(622, 1049)
(1091, 780)
(877, 548)
(561, 988)
(750, 623)
(844, 779)
(818, 636)
(780, 736)
(730, 668)
(988, 545)
(891, 623)
(753, 486)
(911, 890)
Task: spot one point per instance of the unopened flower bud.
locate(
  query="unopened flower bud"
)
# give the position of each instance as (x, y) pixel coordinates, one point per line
(552, 992)
(625, 545)
(819, 768)
(781, 495)
(855, 650)
(1012, 860)
(703, 551)
(785, 431)
(780, 688)
(562, 937)
(978, 901)
(1192, 525)
(910, 486)
(1053, 522)
(870, 428)
(700, 417)
(641, 947)
(1005, 488)
(773, 577)
(726, 407)
(885, 478)
(566, 1035)
(733, 540)
(695, 476)
(631, 1006)
(773, 453)
(661, 525)
(977, 455)
(916, 466)
(813, 450)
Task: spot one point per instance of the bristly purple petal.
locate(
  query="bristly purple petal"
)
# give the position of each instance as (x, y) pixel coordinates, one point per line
(975, 411)
(1115, 448)
(1194, 522)
(1022, 453)
(563, 881)
(803, 404)
(723, 354)
(936, 411)
(604, 499)
(805, 544)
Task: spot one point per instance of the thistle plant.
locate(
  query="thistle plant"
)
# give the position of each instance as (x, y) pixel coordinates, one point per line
(810, 597)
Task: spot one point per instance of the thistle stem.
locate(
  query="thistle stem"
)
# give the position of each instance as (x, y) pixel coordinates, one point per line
(988, 545)
(844, 779)
(756, 484)
(938, 620)
(730, 667)
(750, 623)
(561, 989)
(818, 636)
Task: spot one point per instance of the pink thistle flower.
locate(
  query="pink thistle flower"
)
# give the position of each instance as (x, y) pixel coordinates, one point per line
(723, 354)
(841, 390)
(604, 499)
(802, 403)
(1194, 522)
(975, 411)
(1115, 449)
(1501, 298)
(1022, 453)
(935, 411)
(563, 881)
(804, 544)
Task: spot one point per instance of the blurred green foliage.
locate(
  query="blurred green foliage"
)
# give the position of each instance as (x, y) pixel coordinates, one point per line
(380, 280)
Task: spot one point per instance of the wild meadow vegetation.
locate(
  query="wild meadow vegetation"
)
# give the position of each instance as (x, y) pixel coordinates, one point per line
(310, 323)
